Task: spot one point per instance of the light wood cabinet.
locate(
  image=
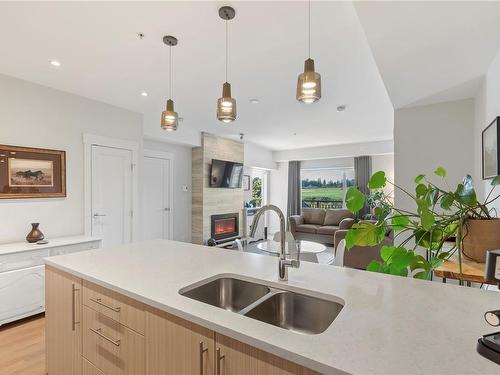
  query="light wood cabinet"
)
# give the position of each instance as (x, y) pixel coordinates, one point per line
(236, 358)
(176, 346)
(63, 333)
(118, 336)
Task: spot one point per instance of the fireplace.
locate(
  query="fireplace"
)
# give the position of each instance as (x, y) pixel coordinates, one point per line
(224, 226)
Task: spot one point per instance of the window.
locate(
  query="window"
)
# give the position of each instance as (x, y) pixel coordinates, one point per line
(325, 188)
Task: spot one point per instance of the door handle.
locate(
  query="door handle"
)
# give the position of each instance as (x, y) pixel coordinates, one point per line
(99, 215)
(73, 307)
(218, 358)
(166, 209)
(201, 356)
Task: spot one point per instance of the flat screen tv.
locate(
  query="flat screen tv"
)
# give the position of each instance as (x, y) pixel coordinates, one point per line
(226, 174)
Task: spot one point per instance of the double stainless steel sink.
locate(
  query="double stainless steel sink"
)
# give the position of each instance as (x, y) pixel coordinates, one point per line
(282, 308)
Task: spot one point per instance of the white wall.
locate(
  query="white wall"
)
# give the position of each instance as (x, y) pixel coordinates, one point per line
(182, 176)
(335, 151)
(258, 157)
(385, 163)
(487, 108)
(430, 136)
(36, 116)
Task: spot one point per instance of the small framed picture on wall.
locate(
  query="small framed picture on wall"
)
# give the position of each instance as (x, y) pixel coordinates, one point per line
(246, 182)
(27, 172)
(490, 151)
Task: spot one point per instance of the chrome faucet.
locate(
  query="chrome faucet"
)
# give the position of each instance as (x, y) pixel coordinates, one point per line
(283, 262)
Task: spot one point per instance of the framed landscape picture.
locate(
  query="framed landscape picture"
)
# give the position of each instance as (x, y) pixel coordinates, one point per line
(491, 156)
(27, 172)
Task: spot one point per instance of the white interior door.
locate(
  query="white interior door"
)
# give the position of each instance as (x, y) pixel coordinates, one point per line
(111, 195)
(156, 198)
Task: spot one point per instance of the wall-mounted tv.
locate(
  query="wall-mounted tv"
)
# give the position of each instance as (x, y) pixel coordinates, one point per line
(226, 174)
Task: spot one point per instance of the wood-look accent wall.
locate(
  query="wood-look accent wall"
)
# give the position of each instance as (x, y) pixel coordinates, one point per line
(209, 201)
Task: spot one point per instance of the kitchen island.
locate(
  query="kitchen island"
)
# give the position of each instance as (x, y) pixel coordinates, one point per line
(122, 308)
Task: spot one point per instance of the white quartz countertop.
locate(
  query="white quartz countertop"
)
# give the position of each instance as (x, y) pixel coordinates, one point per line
(389, 325)
(16, 247)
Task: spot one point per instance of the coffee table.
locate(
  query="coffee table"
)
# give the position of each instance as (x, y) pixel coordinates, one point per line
(305, 247)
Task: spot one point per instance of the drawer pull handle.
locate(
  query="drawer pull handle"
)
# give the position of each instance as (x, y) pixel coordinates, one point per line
(201, 356)
(99, 301)
(100, 334)
(217, 361)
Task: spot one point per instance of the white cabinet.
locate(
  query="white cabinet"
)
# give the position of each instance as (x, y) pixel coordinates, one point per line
(22, 274)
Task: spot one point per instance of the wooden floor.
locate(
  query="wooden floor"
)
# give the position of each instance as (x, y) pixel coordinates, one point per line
(22, 347)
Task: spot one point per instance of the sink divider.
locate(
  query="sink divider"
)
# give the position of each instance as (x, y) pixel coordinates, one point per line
(271, 293)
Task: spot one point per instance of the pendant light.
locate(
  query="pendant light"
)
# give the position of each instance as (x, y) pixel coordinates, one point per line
(169, 118)
(226, 105)
(309, 82)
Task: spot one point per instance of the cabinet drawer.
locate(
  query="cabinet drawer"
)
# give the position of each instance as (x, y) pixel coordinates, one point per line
(90, 369)
(24, 259)
(114, 305)
(110, 346)
(68, 249)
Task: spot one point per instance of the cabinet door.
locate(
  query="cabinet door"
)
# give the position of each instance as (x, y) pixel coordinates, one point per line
(236, 358)
(63, 323)
(175, 346)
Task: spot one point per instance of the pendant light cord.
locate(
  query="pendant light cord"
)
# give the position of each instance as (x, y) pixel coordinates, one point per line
(227, 46)
(309, 25)
(170, 71)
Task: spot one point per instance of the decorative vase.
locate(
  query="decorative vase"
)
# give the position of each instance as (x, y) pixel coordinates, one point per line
(479, 237)
(35, 235)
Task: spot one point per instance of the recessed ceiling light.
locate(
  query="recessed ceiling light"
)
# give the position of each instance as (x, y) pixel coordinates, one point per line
(254, 101)
(55, 63)
(341, 108)
(144, 93)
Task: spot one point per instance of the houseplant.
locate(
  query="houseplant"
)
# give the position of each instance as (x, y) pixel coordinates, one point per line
(440, 215)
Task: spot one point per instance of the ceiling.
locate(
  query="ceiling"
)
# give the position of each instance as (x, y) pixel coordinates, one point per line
(431, 51)
(102, 58)
(371, 56)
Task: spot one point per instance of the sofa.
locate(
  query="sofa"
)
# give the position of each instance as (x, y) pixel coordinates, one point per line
(320, 225)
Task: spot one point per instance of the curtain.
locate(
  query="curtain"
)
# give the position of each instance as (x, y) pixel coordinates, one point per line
(294, 201)
(363, 172)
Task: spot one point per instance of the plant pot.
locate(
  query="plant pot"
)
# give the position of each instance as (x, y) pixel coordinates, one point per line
(479, 237)
(35, 235)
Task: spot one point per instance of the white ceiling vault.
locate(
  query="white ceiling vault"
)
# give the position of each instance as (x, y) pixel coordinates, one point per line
(420, 51)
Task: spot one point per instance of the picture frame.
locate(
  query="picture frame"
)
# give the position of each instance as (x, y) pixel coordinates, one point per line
(490, 153)
(28, 172)
(246, 182)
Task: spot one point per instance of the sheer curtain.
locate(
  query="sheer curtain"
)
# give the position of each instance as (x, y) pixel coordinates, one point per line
(294, 201)
(363, 172)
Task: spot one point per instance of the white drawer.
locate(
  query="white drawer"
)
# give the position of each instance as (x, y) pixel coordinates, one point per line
(24, 259)
(68, 249)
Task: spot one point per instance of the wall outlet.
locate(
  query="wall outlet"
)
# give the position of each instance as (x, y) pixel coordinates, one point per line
(184, 188)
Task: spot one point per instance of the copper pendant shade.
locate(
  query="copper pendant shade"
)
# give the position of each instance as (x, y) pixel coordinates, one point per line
(226, 105)
(170, 118)
(309, 82)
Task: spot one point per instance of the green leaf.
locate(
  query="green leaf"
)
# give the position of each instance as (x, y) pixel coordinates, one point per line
(399, 222)
(421, 190)
(386, 252)
(465, 192)
(419, 178)
(354, 199)
(447, 201)
(427, 219)
(364, 234)
(377, 181)
(423, 275)
(440, 172)
(495, 181)
(374, 266)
